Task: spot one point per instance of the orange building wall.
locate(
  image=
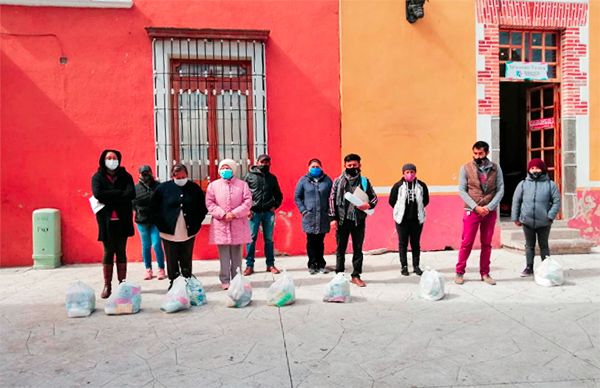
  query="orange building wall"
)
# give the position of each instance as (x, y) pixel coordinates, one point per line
(594, 77)
(408, 88)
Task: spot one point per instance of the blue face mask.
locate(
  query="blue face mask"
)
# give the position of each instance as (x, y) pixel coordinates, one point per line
(315, 171)
(226, 174)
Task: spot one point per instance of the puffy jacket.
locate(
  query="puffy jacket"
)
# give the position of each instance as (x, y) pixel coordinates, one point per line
(141, 203)
(224, 196)
(536, 202)
(266, 193)
(169, 200)
(312, 199)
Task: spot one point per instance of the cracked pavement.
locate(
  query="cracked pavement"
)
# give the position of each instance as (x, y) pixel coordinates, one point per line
(513, 334)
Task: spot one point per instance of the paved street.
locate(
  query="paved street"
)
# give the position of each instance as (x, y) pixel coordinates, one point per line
(514, 334)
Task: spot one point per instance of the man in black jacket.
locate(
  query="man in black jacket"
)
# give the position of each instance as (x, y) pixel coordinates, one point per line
(266, 197)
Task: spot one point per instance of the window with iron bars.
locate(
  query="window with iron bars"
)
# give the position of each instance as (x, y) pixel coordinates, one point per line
(209, 104)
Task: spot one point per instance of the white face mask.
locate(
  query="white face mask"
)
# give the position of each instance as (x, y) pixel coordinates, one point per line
(111, 164)
(180, 182)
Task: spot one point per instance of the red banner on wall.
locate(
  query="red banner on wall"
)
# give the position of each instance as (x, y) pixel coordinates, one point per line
(541, 123)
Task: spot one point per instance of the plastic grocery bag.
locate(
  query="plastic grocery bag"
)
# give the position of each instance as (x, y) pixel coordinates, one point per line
(549, 273)
(127, 299)
(177, 298)
(240, 291)
(282, 292)
(337, 290)
(80, 300)
(432, 285)
(196, 291)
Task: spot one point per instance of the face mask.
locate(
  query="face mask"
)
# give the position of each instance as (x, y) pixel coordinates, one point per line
(315, 171)
(479, 161)
(353, 171)
(147, 178)
(409, 177)
(180, 182)
(264, 169)
(535, 175)
(226, 174)
(111, 164)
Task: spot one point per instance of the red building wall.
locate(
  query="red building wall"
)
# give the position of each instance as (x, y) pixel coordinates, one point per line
(56, 118)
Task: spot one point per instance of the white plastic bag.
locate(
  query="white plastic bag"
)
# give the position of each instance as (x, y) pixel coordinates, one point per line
(196, 291)
(80, 300)
(338, 289)
(177, 298)
(240, 291)
(432, 285)
(549, 273)
(126, 299)
(282, 291)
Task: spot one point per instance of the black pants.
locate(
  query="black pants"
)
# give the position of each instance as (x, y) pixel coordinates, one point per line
(179, 257)
(542, 235)
(115, 244)
(343, 233)
(409, 231)
(315, 249)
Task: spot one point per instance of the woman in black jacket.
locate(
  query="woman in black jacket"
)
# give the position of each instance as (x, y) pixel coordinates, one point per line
(178, 209)
(113, 186)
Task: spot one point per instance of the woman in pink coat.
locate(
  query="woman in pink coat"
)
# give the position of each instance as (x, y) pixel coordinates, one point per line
(229, 201)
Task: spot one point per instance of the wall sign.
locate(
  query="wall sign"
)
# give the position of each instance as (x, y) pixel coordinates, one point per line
(541, 123)
(527, 71)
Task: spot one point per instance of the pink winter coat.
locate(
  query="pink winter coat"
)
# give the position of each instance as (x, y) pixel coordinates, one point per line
(223, 196)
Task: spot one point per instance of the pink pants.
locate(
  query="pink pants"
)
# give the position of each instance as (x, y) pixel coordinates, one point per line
(471, 222)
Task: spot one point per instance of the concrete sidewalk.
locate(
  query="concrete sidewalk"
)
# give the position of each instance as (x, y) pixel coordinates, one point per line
(513, 334)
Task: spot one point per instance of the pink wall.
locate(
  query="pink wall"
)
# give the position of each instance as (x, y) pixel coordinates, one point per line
(56, 118)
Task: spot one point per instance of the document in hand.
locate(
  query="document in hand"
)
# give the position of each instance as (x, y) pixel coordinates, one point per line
(358, 198)
(95, 204)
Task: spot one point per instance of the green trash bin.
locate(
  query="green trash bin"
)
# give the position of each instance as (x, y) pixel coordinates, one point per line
(46, 238)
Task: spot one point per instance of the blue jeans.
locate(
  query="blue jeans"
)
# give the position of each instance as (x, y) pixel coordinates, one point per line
(267, 220)
(151, 239)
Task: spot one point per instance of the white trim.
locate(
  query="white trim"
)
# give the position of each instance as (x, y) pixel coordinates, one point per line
(582, 127)
(480, 62)
(480, 92)
(479, 32)
(71, 3)
(484, 130)
(384, 190)
(584, 94)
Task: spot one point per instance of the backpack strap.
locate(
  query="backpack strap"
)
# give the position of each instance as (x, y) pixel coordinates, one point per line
(363, 183)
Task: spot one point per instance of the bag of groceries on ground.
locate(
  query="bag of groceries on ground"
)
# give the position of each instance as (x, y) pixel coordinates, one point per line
(196, 291)
(80, 300)
(432, 285)
(338, 289)
(240, 291)
(127, 299)
(549, 273)
(177, 297)
(282, 291)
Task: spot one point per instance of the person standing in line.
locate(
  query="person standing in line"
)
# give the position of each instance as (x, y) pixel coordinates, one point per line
(535, 205)
(149, 233)
(229, 200)
(481, 187)
(178, 209)
(266, 198)
(409, 197)
(347, 219)
(312, 199)
(113, 186)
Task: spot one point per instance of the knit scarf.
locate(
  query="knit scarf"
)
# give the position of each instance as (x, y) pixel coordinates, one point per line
(345, 184)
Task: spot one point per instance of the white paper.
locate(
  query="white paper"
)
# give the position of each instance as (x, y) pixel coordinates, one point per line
(95, 204)
(356, 201)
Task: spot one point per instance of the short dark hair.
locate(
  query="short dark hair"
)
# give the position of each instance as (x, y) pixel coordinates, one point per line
(481, 145)
(351, 157)
(179, 167)
(314, 160)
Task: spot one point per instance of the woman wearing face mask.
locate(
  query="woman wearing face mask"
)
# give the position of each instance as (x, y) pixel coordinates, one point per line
(178, 210)
(536, 203)
(113, 186)
(408, 197)
(229, 201)
(312, 199)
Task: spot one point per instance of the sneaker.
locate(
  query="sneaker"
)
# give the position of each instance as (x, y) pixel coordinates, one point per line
(225, 286)
(312, 271)
(358, 282)
(417, 271)
(528, 271)
(323, 270)
(459, 279)
(273, 269)
(148, 275)
(248, 271)
(488, 279)
(161, 274)
(404, 271)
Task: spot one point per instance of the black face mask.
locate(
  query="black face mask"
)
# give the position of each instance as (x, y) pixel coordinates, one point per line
(535, 175)
(478, 161)
(264, 169)
(353, 171)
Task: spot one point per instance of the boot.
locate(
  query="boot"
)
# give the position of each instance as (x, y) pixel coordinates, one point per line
(121, 271)
(107, 270)
(404, 265)
(416, 268)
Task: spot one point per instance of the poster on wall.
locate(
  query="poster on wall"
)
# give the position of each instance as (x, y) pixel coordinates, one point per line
(541, 124)
(528, 71)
